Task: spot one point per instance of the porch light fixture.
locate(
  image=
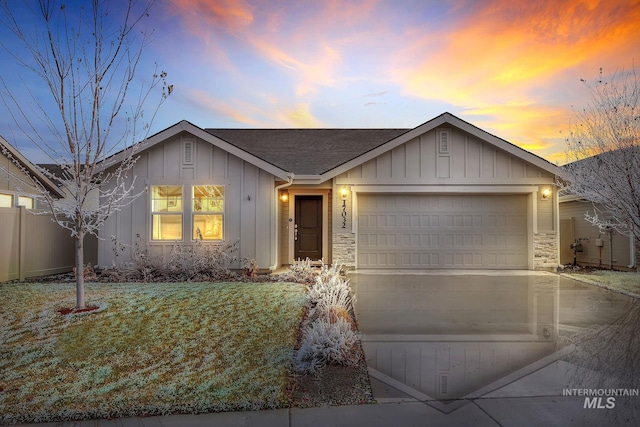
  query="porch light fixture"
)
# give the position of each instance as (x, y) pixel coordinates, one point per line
(284, 197)
(546, 193)
(344, 193)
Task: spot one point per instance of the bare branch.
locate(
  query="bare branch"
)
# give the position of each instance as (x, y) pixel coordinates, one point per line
(604, 145)
(89, 63)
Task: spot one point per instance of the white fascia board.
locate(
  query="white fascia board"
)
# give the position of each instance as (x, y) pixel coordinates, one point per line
(309, 179)
(44, 180)
(199, 133)
(437, 189)
(503, 145)
(433, 124)
(571, 198)
(232, 149)
(140, 147)
(388, 146)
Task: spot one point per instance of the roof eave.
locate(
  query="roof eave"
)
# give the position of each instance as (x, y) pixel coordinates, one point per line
(31, 168)
(199, 133)
(445, 118)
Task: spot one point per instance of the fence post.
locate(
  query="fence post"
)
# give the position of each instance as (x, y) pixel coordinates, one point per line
(22, 255)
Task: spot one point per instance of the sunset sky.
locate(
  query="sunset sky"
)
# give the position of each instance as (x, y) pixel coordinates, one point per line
(512, 68)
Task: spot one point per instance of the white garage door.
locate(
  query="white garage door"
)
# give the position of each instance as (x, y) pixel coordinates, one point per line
(442, 231)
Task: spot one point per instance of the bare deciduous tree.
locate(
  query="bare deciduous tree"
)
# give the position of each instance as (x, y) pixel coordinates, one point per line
(87, 59)
(604, 150)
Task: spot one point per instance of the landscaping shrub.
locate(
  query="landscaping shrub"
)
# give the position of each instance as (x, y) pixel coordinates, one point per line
(196, 261)
(329, 334)
(326, 342)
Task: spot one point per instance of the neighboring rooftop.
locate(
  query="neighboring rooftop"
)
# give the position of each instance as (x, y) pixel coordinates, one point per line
(307, 151)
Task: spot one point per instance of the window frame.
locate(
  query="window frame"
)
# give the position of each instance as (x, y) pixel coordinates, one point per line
(11, 198)
(220, 213)
(188, 212)
(153, 213)
(20, 200)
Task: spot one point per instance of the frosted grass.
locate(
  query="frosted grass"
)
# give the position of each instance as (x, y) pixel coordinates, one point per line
(151, 349)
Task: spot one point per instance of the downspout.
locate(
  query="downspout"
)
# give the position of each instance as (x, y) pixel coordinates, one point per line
(275, 234)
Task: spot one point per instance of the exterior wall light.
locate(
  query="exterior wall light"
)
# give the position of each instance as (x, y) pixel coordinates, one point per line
(344, 193)
(284, 197)
(546, 193)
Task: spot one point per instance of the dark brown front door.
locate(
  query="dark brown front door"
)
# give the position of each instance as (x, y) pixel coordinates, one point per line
(308, 228)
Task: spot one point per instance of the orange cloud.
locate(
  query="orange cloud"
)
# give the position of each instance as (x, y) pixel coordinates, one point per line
(222, 108)
(505, 48)
(252, 114)
(202, 17)
(534, 128)
(300, 117)
(303, 47)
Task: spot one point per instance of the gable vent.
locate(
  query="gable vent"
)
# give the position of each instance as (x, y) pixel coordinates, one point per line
(187, 152)
(444, 386)
(443, 146)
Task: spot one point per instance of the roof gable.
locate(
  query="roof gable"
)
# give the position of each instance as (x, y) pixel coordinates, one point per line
(183, 126)
(321, 154)
(442, 120)
(29, 167)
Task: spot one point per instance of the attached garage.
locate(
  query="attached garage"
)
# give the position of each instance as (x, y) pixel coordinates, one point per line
(407, 231)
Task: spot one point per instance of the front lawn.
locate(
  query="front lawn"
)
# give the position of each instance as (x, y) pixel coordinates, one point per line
(625, 282)
(150, 349)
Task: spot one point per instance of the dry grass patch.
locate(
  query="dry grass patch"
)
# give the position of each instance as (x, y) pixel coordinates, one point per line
(625, 282)
(149, 349)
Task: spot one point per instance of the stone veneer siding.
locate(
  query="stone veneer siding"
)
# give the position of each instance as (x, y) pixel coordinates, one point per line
(545, 249)
(344, 249)
(545, 246)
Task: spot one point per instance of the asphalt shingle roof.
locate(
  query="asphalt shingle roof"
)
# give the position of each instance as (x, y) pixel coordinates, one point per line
(307, 151)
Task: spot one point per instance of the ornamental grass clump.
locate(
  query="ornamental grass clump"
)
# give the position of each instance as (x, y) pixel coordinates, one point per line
(301, 271)
(329, 334)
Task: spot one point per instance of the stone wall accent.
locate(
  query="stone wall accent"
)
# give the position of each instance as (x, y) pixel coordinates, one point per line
(344, 249)
(545, 250)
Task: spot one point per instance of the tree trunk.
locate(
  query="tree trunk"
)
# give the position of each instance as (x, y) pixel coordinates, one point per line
(80, 271)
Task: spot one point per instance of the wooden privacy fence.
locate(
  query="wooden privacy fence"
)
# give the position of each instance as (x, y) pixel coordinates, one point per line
(33, 245)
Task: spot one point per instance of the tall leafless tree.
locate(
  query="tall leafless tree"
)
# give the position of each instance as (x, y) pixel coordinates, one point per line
(88, 60)
(603, 149)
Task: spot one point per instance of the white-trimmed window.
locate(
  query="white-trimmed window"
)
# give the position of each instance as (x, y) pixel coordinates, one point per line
(6, 201)
(173, 213)
(166, 212)
(25, 201)
(208, 212)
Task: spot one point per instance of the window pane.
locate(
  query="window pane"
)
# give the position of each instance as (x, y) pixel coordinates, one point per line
(27, 202)
(208, 198)
(166, 198)
(167, 227)
(207, 227)
(6, 201)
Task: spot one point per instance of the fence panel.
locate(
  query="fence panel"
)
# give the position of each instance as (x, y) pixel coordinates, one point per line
(33, 245)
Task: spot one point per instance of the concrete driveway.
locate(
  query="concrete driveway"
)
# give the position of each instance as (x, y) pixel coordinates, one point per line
(489, 339)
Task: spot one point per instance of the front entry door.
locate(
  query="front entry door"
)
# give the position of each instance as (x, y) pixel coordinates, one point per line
(307, 234)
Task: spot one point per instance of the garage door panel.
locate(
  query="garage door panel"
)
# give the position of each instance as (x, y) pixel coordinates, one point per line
(442, 231)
